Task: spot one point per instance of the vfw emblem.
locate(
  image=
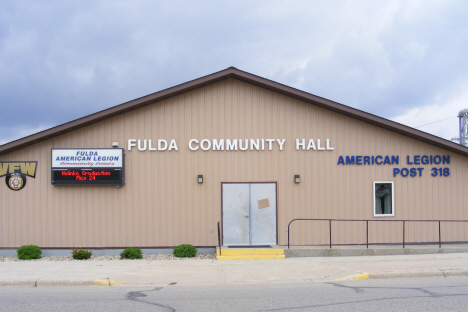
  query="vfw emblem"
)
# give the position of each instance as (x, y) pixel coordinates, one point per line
(15, 182)
(15, 173)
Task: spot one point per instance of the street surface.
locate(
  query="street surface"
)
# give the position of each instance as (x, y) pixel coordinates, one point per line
(423, 294)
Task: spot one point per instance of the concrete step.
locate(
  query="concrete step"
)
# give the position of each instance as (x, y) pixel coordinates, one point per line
(249, 253)
(250, 257)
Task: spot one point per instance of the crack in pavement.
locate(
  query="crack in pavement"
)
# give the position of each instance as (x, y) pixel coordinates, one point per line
(35, 283)
(357, 301)
(137, 295)
(361, 289)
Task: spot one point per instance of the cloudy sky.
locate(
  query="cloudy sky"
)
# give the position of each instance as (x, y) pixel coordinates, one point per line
(401, 60)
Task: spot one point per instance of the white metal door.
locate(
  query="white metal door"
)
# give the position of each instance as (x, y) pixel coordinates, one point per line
(263, 213)
(249, 213)
(236, 228)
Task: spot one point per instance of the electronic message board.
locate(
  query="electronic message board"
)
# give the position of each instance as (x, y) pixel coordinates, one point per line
(87, 166)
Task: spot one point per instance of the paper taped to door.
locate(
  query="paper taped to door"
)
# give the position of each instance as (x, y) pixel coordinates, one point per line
(263, 203)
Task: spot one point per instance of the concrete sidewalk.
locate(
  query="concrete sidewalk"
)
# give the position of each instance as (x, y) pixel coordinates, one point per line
(215, 272)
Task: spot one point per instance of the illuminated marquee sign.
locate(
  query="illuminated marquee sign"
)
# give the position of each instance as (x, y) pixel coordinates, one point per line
(87, 166)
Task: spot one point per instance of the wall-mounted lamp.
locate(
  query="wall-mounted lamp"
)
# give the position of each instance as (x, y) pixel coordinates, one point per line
(200, 178)
(297, 178)
(115, 144)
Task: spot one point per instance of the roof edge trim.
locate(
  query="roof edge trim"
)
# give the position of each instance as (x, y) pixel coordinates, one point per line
(233, 72)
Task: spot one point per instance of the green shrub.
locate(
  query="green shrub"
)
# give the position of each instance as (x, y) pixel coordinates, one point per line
(27, 252)
(80, 254)
(185, 251)
(131, 253)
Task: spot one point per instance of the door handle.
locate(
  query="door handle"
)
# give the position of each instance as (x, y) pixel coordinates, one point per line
(246, 216)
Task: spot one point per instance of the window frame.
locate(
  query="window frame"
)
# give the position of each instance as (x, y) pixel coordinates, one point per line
(393, 199)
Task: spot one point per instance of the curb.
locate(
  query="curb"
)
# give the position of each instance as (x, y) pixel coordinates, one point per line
(44, 283)
(422, 274)
(389, 275)
(107, 282)
(456, 273)
(356, 277)
(362, 276)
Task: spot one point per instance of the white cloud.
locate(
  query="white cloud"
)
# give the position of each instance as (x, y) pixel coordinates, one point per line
(63, 60)
(18, 132)
(440, 117)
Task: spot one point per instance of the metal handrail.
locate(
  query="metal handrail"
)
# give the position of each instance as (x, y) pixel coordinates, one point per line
(219, 239)
(367, 226)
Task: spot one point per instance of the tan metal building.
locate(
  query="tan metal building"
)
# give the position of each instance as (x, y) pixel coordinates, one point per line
(237, 149)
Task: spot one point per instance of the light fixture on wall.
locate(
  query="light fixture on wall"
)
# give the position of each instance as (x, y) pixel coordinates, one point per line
(200, 178)
(115, 144)
(297, 178)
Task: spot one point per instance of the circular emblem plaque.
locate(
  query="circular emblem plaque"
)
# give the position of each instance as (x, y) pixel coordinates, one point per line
(15, 182)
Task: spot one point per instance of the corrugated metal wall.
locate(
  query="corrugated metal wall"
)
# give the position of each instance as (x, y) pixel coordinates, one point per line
(162, 204)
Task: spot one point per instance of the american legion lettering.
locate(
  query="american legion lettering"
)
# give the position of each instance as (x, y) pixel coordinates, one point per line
(395, 160)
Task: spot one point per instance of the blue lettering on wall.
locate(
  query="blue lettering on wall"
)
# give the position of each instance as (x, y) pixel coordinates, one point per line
(386, 160)
(404, 172)
(350, 160)
(340, 160)
(378, 160)
(395, 160)
(358, 160)
(428, 160)
(446, 159)
(366, 160)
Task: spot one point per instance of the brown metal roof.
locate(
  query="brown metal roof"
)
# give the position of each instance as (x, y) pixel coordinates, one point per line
(232, 72)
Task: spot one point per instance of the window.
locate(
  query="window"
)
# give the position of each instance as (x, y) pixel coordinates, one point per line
(383, 199)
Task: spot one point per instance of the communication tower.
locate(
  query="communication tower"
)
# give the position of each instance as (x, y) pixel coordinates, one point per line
(463, 126)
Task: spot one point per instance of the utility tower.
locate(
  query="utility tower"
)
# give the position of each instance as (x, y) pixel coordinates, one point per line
(463, 126)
